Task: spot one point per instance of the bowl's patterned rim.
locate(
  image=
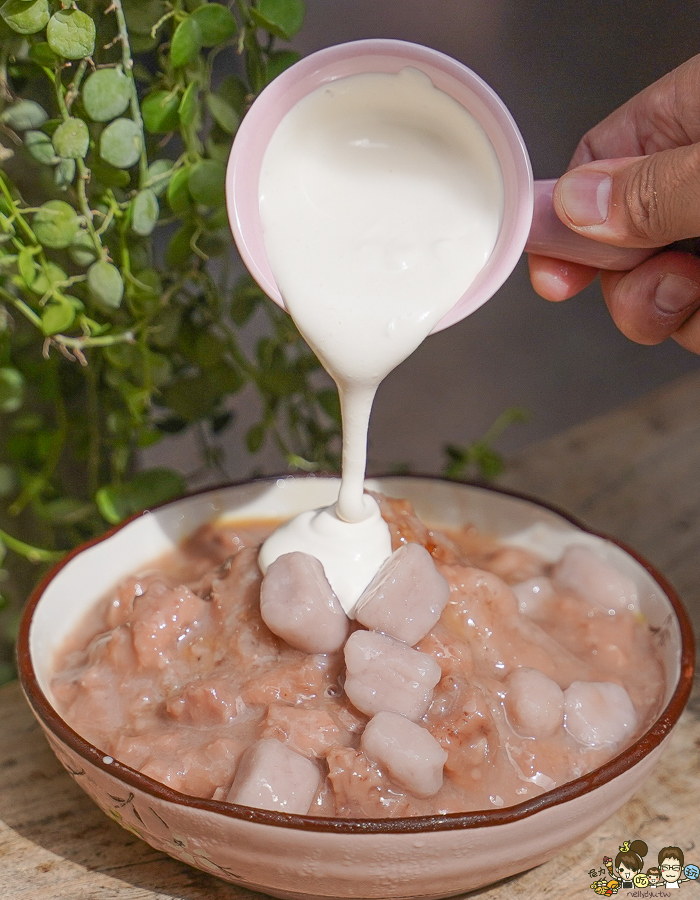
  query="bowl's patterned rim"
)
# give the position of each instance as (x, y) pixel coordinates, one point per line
(492, 817)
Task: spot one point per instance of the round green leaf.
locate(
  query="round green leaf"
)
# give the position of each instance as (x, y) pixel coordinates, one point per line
(43, 55)
(49, 275)
(216, 23)
(206, 182)
(235, 92)
(186, 42)
(188, 105)
(156, 176)
(23, 115)
(247, 296)
(223, 113)
(159, 111)
(148, 488)
(144, 212)
(71, 33)
(64, 174)
(283, 18)
(55, 224)
(58, 315)
(26, 266)
(179, 198)
(106, 94)
(107, 175)
(71, 139)
(142, 15)
(120, 143)
(82, 250)
(65, 511)
(23, 17)
(279, 61)
(11, 390)
(40, 148)
(178, 253)
(8, 481)
(105, 284)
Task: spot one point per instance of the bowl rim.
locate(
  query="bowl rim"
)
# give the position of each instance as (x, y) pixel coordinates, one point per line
(571, 790)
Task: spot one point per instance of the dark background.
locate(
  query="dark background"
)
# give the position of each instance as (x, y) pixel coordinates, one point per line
(560, 67)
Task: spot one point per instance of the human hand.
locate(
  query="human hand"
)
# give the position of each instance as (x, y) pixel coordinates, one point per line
(634, 181)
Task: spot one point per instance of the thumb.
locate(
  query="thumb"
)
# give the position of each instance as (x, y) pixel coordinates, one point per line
(645, 201)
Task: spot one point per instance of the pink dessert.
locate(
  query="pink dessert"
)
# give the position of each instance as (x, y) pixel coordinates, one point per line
(483, 677)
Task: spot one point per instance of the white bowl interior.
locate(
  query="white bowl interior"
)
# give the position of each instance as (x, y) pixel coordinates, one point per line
(440, 504)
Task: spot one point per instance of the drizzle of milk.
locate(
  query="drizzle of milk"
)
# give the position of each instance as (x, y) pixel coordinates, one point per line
(381, 199)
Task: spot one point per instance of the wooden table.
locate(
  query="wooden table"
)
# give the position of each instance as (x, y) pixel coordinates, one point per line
(634, 474)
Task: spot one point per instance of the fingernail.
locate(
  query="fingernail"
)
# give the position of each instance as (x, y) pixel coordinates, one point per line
(674, 293)
(585, 197)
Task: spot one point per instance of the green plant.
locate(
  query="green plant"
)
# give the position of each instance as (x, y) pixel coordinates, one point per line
(479, 460)
(115, 327)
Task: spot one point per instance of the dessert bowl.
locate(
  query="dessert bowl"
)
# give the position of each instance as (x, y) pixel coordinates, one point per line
(302, 856)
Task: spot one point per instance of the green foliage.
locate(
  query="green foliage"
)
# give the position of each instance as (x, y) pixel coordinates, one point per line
(23, 17)
(55, 224)
(121, 143)
(144, 490)
(71, 33)
(71, 139)
(106, 94)
(106, 344)
(23, 114)
(479, 461)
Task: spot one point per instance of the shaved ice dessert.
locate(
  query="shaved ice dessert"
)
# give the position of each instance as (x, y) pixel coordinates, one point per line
(474, 675)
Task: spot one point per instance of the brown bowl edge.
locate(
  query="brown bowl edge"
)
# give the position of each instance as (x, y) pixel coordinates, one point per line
(629, 757)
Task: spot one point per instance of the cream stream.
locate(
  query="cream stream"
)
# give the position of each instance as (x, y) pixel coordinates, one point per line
(381, 199)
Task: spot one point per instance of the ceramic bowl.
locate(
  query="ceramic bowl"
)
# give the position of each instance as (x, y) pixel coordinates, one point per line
(296, 856)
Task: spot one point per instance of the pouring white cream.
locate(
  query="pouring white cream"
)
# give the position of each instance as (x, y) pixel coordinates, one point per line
(381, 199)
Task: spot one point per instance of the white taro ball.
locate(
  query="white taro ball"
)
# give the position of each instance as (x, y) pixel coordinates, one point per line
(534, 703)
(106, 94)
(584, 573)
(384, 674)
(121, 144)
(272, 776)
(406, 597)
(410, 754)
(298, 604)
(599, 713)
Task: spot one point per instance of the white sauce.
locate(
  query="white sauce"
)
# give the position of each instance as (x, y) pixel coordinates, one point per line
(381, 199)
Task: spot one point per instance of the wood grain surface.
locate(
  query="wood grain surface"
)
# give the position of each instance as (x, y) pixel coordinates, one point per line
(631, 474)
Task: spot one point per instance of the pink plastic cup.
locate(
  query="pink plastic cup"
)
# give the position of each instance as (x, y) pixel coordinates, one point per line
(547, 235)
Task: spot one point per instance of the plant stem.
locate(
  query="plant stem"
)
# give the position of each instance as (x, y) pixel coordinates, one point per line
(135, 107)
(33, 554)
(93, 411)
(83, 171)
